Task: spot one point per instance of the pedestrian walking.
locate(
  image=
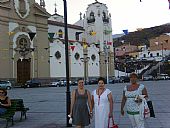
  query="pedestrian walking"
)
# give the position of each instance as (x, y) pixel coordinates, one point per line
(102, 101)
(81, 108)
(5, 101)
(131, 98)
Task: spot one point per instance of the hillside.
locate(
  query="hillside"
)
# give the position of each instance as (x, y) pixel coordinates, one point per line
(142, 37)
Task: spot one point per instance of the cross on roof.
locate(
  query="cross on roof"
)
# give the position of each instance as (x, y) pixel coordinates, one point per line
(80, 15)
(55, 8)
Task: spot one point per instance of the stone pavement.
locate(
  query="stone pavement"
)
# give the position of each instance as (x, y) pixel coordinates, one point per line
(48, 106)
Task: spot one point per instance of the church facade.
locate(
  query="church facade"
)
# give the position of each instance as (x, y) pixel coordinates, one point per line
(32, 42)
(23, 37)
(90, 44)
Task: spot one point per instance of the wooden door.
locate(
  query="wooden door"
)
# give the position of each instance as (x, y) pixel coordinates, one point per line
(23, 70)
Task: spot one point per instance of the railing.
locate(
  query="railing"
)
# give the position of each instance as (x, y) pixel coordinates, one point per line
(106, 20)
(91, 20)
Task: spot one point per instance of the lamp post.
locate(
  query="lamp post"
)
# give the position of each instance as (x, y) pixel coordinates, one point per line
(85, 59)
(68, 98)
(107, 61)
(117, 69)
(162, 50)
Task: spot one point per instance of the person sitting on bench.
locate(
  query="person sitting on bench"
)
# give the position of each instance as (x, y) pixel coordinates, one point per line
(5, 101)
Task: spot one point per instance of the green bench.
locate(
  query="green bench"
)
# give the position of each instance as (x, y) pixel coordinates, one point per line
(9, 114)
(16, 105)
(20, 107)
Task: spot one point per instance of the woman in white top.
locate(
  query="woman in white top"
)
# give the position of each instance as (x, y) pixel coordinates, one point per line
(102, 101)
(129, 98)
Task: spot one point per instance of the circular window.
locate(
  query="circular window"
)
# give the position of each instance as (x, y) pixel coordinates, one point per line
(58, 55)
(93, 57)
(77, 56)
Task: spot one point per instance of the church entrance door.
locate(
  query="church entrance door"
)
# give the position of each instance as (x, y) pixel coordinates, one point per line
(23, 71)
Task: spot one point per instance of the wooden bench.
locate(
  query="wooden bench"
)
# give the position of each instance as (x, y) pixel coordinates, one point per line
(20, 107)
(9, 114)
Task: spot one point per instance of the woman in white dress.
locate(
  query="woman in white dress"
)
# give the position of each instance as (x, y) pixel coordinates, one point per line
(102, 101)
(132, 101)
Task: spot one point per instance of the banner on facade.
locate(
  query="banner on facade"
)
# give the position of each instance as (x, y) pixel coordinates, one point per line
(31, 35)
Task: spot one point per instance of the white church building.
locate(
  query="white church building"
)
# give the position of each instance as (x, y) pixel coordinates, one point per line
(90, 44)
(32, 44)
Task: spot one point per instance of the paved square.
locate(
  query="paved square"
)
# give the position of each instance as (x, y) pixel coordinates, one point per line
(48, 105)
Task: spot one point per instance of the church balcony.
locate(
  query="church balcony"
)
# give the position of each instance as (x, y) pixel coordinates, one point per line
(106, 20)
(91, 20)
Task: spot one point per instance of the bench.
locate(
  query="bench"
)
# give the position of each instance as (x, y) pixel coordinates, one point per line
(9, 114)
(20, 107)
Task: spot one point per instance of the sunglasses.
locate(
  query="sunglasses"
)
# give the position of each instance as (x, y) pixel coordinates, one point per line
(2, 92)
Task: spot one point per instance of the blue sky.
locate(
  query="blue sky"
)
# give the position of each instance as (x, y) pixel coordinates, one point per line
(126, 14)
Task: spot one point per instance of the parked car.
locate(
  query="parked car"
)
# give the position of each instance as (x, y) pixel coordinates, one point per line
(32, 83)
(163, 77)
(124, 79)
(111, 81)
(54, 84)
(62, 83)
(147, 77)
(5, 84)
(73, 82)
(93, 81)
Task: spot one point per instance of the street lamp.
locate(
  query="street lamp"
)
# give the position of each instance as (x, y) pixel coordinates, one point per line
(162, 50)
(106, 50)
(68, 98)
(85, 59)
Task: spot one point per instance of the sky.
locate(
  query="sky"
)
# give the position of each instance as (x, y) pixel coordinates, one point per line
(126, 14)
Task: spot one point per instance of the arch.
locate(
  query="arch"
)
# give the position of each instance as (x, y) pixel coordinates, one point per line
(91, 15)
(60, 33)
(104, 15)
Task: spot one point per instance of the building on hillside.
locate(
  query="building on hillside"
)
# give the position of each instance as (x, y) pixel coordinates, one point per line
(125, 50)
(33, 44)
(159, 48)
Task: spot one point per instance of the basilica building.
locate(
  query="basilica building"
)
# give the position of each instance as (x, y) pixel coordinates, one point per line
(32, 42)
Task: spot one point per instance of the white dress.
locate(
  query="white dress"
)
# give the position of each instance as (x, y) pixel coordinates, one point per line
(102, 107)
(131, 105)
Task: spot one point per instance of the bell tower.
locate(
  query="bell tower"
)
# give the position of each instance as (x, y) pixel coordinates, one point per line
(42, 3)
(97, 24)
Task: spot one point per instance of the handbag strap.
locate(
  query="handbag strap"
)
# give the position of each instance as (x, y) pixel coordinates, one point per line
(109, 121)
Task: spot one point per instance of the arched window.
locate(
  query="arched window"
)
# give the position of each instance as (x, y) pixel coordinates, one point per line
(77, 55)
(91, 18)
(93, 57)
(77, 36)
(58, 55)
(105, 18)
(60, 33)
(151, 55)
(92, 15)
(104, 15)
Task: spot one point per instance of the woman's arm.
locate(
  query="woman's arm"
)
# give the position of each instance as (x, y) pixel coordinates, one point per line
(92, 101)
(72, 102)
(144, 92)
(123, 103)
(89, 101)
(110, 98)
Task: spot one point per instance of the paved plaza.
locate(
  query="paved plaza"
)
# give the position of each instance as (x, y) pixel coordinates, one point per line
(48, 105)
